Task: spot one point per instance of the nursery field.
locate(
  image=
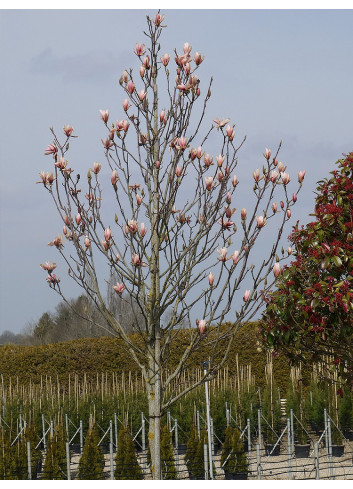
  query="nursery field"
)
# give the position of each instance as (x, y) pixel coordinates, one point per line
(86, 426)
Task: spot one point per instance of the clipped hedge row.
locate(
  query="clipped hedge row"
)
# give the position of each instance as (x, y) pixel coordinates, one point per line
(97, 355)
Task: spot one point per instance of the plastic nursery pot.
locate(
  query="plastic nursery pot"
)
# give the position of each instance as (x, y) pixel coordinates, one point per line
(302, 451)
(337, 450)
(348, 434)
(235, 476)
(271, 451)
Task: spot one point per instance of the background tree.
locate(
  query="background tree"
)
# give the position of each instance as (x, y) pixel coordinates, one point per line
(168, 241)
(55, 458)
(127, 466)
(309, 316)
(169, 471)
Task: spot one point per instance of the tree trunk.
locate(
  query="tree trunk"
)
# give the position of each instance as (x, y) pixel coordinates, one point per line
(154, 410)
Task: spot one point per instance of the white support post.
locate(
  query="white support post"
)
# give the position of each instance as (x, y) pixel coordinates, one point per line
(111, 460)
(292, 429)
(249, 435)
(43, 429)
(29, 462)
(116, 431)
(208, 422)
(176, 438)
(330, 446)
(68, 461)
(259, 425)
(258, 461)
(317, 466)
(198, 423)
(67, 427)
(205, 461)
(143, 434)
(81, 436)
(289, 432)
(326, 431)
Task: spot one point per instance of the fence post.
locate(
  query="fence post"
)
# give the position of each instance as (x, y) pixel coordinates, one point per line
(143, 432)
(51, 428)
(176, 434)
(67, 426)
(212, 437)
(326, 430)
(43, 429)
(208, 417)
(169, 421)
(81, 436)
(317, 467)
(228, 416)
(205, 461)
(330, 446)
(258, 461)
(198, 423)
(249, 435)
(111, 461)
(68, 461)
(116, 431)
(292, 428)
(259, 425)
(289, 432)
(29, 460)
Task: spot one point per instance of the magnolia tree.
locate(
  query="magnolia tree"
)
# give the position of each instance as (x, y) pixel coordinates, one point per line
(170, 237)
(310, 315)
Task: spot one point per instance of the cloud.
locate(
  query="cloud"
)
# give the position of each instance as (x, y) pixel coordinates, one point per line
(94, 66)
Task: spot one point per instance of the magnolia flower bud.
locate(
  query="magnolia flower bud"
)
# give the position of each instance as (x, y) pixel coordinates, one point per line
(274, 207)
(301, 176)
(289, 213)
(246, 296)
(87, 242)
(107, 234)
(277, 270)
(104, 115)
(202, 326)
(96, 167)
(267, 153)
(114, 177)
(78, 219)
(210, 278)
(243, 214)
(119, 288)
(261, 221)
(131, 87)
(68, 130)
(165, 59)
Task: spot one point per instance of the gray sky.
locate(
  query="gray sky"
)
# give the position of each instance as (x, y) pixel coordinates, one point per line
(279, 75)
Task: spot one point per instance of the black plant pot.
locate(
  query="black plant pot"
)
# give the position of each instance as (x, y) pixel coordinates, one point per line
(242, 476)
(337, 450)
(246, 445)
(182, 449)
(302, 451)
(269, 449)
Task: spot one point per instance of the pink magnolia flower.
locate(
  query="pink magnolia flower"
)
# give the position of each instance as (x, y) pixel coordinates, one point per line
(143, 230)
(132, 226)
(243, 214)
(158, 20)
(68, 130)
(87, 242)
(277, 270)
(140, 49)
(187, 68)
(228, 198)
(187, 48)
(158, 164)
(136, 261)
(281, 166)
(199, 153)
(295, 197)
(202, 326)
(301, 176)
(61, 163)
(64, 230)
(138, 199)
(182, 87)
(142, 94)
(119, 288)
(289, 250)
(274, 207)
(235, 181)
(107, 234)
(261, 221)
(221, 123)
(126, 104)
(96, 167)
(226, 224)
(49, 267)
(230, 132)
(220, 159)
(165, 59)
(274, 175)
(142, 71)
(285, 178)
(256, 175)
(52, 279)
(178, 171)
(209, 182)
(51, 149)
(78, 219)
(125, 76)
(104, 115)
(131, 87)
(267, 153)
(282, 204)
(182, 143)
(106, 245)
(235, 257)
(114, 177)
(198, 58)
(67, 220)
(208, 160)
(107, 143)
(220, 176)
(162, 117)
(222, 254)
(246, 296)
(289, 213)
(58, 242)
(210, 278)
(146, 62)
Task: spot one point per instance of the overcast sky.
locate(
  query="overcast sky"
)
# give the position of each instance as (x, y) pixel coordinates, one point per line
(279, 75)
